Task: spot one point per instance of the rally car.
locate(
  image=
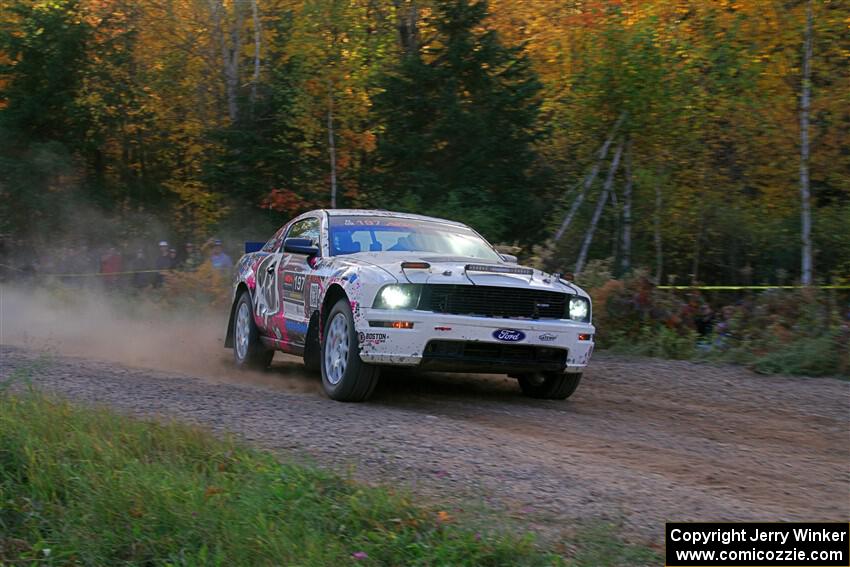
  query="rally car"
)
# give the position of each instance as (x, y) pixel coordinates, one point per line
(353, 291)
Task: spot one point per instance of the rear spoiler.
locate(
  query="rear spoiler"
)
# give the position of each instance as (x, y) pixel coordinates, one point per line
(253, 246)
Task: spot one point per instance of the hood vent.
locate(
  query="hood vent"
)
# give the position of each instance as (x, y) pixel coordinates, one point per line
(496, 269)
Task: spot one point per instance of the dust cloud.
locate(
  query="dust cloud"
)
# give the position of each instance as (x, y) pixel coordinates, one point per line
(133, 331)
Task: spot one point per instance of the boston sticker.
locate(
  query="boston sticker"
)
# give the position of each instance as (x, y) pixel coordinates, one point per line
(508, 335)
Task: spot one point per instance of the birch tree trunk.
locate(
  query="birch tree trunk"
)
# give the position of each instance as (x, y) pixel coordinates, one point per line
(258, 38)
(627, 212)
(615, 234)
(229, 47)
(659, 251)
(600, 205)
(332, 145)
(232, 63)
(805, 192)
(588, 181)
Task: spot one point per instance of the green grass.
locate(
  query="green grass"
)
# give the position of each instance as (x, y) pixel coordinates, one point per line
(86, 486)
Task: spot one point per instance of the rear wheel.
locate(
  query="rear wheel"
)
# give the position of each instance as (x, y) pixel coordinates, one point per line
(248, 351)
(549, 385)
(345, 377)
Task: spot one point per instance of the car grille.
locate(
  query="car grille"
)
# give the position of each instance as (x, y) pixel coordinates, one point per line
(492, 301)
(481, 354)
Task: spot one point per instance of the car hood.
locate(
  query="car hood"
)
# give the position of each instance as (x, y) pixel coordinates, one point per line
(461, 271)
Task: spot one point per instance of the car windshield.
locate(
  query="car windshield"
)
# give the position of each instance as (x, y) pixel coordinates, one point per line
(362, 233)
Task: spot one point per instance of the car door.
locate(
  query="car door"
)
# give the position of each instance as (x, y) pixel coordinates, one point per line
(293, 272)
(267, 300)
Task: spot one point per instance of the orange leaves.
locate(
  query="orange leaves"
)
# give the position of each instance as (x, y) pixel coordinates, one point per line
(283, 201)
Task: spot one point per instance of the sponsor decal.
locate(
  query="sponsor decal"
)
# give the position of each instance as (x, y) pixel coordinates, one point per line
(293, 286)
(293, 309)
(299, 327)
(372, 337)
(294, 281)
(376, 222)
(508, 335)
(547, 337)
(314, 295)
(267, 298)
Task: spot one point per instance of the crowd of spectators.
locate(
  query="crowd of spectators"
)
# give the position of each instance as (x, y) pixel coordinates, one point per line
(137, 266)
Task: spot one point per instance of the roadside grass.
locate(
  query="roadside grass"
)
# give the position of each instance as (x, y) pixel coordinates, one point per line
(599, 545)
(81, 485)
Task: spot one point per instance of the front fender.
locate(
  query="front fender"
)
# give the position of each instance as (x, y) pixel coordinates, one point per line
(244, 281)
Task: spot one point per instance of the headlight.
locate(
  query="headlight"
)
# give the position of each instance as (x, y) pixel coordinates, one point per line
(398, 297)
(579, 309)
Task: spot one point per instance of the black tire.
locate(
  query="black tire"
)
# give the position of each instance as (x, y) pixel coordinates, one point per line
(253, 356)
(313, 349)
(345, 377)
(549, 385)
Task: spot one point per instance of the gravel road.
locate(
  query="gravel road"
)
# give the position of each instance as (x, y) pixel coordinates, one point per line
(641, 442)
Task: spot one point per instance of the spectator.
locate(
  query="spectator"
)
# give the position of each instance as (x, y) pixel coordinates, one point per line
(172, 253)
(219, 259)
(163, 262)
(689, 310)
(723, 330)
(139, 263)
(704, 320)
(110, 264)
(191, 257)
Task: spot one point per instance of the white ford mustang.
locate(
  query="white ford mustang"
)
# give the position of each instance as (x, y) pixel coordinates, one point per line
(354, 290)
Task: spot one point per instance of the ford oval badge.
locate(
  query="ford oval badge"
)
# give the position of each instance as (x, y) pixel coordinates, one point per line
(508, 335)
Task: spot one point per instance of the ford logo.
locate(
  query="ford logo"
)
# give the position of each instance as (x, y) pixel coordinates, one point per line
(508, 335)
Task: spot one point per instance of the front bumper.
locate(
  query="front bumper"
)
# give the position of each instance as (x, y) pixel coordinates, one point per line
(462, 343)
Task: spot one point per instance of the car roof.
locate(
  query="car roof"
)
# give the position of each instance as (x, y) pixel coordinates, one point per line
(385, 213)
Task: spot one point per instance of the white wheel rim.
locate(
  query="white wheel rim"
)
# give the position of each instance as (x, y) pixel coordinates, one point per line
(243, 331)
(336, 348)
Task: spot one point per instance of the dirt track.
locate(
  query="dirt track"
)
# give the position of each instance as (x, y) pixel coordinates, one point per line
(641, 442)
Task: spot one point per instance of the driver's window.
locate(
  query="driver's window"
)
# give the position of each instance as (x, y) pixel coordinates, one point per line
(273, 245)
(305, 228)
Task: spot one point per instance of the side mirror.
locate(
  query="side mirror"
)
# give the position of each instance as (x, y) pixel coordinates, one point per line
(509, 258)
(300, 246)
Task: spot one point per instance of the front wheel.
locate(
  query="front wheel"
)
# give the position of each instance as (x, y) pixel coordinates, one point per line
(345, 377)
(549, 385)
(248, 351)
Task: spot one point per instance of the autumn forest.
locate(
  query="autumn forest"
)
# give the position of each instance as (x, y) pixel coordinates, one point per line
(699, 140)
